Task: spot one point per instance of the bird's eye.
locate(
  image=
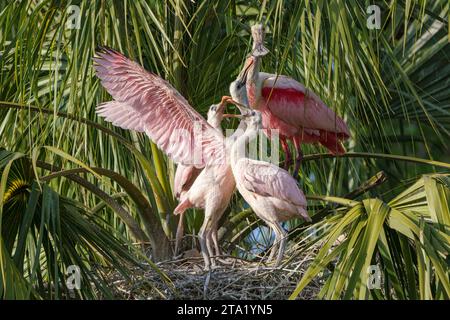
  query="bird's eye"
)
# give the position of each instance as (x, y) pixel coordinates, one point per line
(213, 108)
(240, 84)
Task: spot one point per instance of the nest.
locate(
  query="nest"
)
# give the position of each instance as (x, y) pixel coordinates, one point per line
(234, 279)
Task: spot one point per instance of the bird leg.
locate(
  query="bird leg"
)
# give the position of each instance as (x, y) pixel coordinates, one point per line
(202, 235)
(282, 239)
(210, 240)
(279, 243)
(298, 160)
(214, 237)
(210, 246)
(218, 251)
(273, 250)
(208, 235)
(287, 154)
(215, 240)
(179, 234)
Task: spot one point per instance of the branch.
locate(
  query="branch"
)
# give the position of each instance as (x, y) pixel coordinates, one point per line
(376, 155)
(338, 200)
(371, 183)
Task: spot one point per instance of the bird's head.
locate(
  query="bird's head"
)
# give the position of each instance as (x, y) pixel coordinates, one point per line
(252, 62)
(253, 119)
(215, 113)
(259, 50)
(238, 91)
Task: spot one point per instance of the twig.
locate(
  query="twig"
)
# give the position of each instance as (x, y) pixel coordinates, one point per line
(206, 284)
(371, 183)
(375, 155)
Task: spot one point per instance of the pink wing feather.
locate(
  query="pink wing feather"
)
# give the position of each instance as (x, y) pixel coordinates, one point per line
(147, 103)
(269, 180)
(290, 101)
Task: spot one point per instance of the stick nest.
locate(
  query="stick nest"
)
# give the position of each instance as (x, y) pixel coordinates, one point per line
(236, 280)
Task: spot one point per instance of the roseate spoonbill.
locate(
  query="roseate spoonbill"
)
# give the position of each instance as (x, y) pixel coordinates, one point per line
(215, 186)
(271, 192)
(286, 105)
(147, 103)
(186, 175)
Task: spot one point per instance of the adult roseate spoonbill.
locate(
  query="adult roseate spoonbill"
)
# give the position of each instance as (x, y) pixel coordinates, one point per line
(286, 105)
(271, 192)
(186, 175)
(147, 103)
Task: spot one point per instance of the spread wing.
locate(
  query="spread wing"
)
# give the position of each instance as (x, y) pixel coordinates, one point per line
(290, 101)
(147, 103)
(268, 180)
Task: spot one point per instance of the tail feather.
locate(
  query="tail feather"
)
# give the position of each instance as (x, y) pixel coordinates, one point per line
(332, 142)
(182, 207)
(304, 214)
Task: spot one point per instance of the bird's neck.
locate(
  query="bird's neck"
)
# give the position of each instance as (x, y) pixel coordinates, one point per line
(253, 86)
(216, 125)
(240, 130)
(254, 69)
(216, 122)
(239, 146)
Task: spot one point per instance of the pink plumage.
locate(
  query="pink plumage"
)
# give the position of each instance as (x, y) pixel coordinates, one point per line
(296, 112)
(299, 113)
(270, 191)
(290, 101)
(184, 178)
(147, 103)
(268, 182)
